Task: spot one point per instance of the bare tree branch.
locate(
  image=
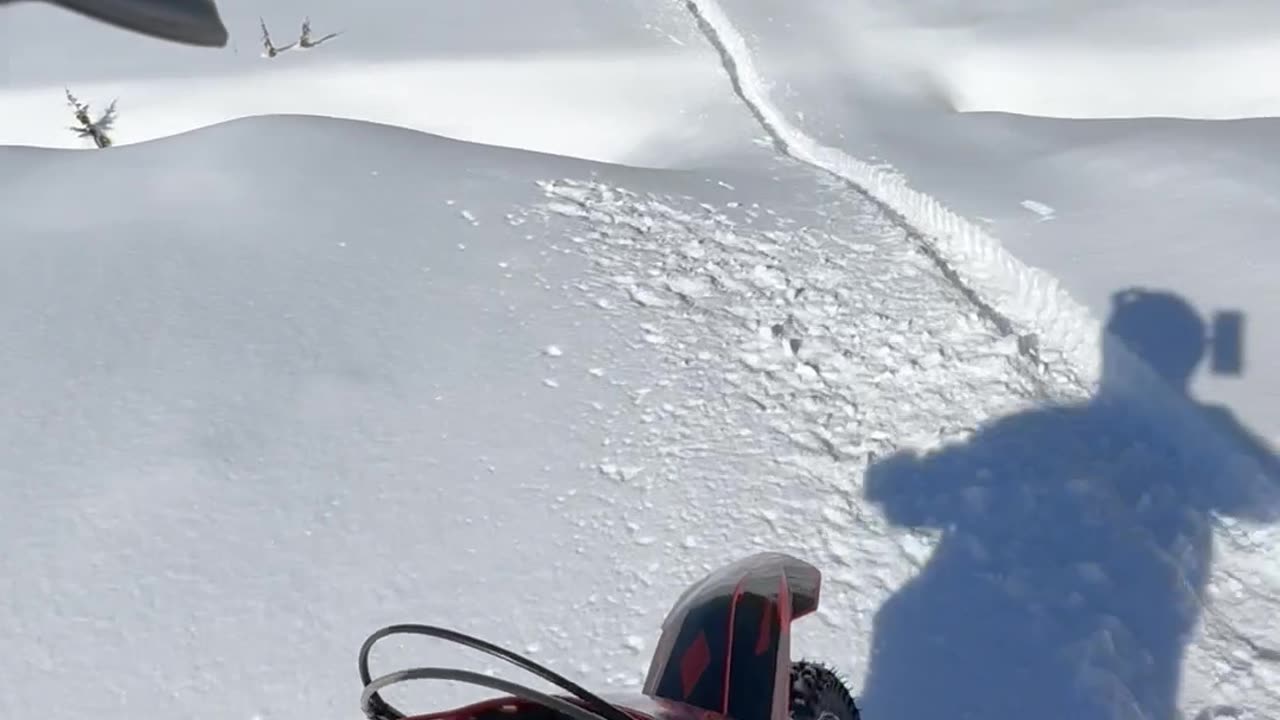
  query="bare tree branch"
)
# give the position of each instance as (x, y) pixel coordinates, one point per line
(270, 50)
(305, 40)
(89, 128)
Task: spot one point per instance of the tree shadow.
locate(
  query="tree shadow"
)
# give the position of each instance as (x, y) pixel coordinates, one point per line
(1076, 543)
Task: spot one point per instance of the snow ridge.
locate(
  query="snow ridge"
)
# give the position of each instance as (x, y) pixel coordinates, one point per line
(1056, 332)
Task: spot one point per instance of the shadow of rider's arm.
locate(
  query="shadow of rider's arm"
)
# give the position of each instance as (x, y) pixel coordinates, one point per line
(1255, 491)
(921, 490)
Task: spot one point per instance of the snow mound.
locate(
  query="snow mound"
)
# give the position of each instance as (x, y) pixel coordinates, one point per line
(280, 381)
(640, 108)
(1221, 80)
(1082, 59)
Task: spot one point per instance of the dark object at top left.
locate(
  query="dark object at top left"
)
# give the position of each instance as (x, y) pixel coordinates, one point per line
(189, 22)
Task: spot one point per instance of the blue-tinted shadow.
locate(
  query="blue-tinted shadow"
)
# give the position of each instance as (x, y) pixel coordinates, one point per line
(1076, 544)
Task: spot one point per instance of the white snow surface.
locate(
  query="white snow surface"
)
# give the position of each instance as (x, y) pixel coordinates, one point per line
(627, 81)
(1150, 132)
(790, 277)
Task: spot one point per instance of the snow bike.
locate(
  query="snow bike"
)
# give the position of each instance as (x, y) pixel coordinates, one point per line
(724, 654)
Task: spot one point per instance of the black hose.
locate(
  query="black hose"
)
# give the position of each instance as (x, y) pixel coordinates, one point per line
(603, 710)
(374, 707)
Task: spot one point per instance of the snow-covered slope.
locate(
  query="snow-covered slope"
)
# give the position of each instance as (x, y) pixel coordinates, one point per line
(329, 375)
(410, 378)
(281, 380)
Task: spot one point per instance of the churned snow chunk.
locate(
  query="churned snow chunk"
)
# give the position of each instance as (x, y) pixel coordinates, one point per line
(1038, 208)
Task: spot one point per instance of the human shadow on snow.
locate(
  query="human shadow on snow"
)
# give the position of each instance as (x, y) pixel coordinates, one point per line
(1075, 544)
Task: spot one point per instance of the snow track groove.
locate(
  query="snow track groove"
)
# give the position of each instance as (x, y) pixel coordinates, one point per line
(1054, 332)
